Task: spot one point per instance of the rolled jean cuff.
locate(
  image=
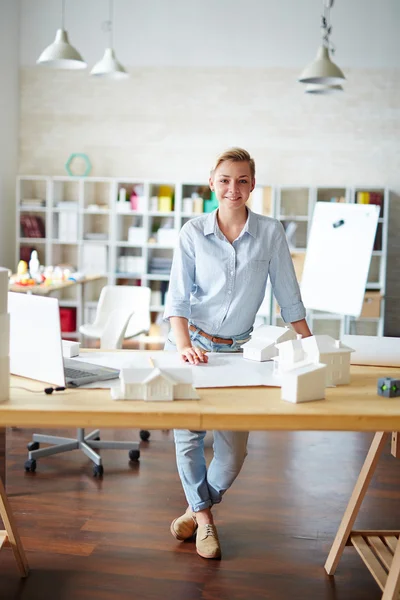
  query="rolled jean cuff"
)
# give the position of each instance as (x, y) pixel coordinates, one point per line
(202, 506)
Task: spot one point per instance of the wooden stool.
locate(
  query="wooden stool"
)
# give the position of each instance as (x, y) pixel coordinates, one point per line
(11, 535)
(380, 550)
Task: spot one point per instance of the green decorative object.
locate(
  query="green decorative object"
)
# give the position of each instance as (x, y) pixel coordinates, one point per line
(78, 165)
(211, 203)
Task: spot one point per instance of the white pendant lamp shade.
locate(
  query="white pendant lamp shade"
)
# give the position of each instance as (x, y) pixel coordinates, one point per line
(321, 89)
(322, 70)
(109, 67)
(61, 55)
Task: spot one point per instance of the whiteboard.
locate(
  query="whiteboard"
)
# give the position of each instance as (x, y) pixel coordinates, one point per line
(338, 257)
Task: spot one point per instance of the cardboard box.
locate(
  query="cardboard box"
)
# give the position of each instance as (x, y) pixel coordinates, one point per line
(4, 335)
(298, 259)
(4, 378)
(371, 305)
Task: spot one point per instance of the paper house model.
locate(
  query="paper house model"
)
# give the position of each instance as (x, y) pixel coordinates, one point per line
(156, 384)
(333, 354)
(317, 349)
(262, 345)
(4, 337)
(304, 384)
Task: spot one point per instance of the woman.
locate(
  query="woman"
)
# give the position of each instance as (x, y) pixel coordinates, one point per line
(218, 280)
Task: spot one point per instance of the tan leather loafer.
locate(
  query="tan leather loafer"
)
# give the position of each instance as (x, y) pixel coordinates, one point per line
(207, 542)
(184, 527)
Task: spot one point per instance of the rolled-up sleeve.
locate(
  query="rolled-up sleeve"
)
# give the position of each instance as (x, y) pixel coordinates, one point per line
(283, 279)
(182, 276)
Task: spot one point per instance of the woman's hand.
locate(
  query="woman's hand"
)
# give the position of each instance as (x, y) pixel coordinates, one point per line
(193, 355)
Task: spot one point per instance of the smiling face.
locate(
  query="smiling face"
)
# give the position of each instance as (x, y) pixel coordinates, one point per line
(232, 183)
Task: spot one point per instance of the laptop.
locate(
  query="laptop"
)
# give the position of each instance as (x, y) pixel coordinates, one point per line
(36, 345)
(373, 350)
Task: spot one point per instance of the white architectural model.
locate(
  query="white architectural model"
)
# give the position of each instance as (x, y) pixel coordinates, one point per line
(316, 349)
(4, 337)
(304, 383)
(332, 353)
(262, 345)
(156, 384)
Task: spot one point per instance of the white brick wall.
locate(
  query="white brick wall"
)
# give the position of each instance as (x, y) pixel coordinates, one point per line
(170, 122)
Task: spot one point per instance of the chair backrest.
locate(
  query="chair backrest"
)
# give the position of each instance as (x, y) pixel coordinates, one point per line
(127, 299)
(113, 334)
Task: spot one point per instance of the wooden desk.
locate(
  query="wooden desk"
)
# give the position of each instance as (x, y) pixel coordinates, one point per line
(46, 290)
(355, 407)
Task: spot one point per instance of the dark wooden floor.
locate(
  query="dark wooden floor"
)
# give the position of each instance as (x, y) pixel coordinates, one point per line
(89, 539)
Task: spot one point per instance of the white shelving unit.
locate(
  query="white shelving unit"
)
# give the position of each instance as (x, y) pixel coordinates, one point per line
(85, 225)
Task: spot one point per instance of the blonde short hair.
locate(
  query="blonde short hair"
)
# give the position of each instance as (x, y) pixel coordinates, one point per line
(235, 155)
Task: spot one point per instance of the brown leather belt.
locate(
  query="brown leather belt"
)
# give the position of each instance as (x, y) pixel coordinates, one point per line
(215, 340)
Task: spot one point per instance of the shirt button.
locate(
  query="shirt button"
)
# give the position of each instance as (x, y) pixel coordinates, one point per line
(232, 272)
(229, 291)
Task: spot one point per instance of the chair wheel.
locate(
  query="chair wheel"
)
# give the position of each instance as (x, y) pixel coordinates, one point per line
(144, 435)
(96, 439)
(134, 454)
(98, 471)
(30, 465)
(33, 446)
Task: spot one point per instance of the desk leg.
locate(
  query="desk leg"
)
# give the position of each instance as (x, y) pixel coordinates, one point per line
(392, 587)
(360, 489)
(12, 532)
(3, 454)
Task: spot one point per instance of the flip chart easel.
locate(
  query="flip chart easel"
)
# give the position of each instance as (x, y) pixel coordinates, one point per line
(338, 257)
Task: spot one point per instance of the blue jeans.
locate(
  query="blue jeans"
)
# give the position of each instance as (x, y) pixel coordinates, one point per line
(203, 487)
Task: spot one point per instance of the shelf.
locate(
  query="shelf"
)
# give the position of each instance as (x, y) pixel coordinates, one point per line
(157, 308)
(303, 218)
(156, 213)
(32, 240)
(155, 277)
(68, 303)
(87, 211)
(70, 334)
(129, 275)
(64, 242)
(33, 209)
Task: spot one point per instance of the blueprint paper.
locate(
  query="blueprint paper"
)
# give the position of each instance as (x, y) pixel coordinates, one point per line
(224, 369)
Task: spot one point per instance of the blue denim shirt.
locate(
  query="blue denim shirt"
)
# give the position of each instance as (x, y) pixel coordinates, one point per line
(219, 286)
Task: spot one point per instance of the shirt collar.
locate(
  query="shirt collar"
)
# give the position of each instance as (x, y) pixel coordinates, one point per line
(211, 225)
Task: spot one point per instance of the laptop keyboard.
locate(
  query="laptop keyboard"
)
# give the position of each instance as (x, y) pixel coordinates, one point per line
(75, 373)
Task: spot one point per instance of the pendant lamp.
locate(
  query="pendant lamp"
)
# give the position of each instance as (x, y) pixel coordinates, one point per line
(60, 54)
(109, 67)
(322, 70)
(322, 89)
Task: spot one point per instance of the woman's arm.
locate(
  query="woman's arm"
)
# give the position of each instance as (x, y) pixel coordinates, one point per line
(302, 328)
(184, 346)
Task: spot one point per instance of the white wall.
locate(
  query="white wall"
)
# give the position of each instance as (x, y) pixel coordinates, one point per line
(216, 33)
(9, 117)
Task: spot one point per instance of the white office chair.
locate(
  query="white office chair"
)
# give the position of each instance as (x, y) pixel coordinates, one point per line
(116, 302)
(116, 312)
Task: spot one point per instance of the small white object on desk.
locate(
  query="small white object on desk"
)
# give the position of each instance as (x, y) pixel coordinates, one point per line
(154, 384)
(262, 345)
(304, 384)
(70, 349)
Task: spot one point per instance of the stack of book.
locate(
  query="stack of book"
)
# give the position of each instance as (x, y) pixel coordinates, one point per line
(160, 266)
(32, 203)
(370, 198)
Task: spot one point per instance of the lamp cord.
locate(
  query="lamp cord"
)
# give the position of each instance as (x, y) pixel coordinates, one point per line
(111, 25)
(63, 14)
(326, 25)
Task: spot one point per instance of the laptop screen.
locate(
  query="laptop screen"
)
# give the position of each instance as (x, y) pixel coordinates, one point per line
(35, 338)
